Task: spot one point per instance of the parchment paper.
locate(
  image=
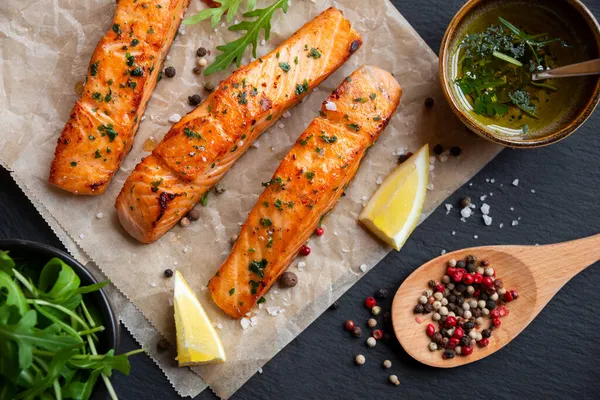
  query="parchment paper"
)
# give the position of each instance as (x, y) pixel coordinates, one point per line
(46, 48)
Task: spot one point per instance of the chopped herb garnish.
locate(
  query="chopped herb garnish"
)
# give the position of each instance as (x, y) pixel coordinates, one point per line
(372, 96)
(254, 284)
(360, 100)
(270, 117)
(156, 184)
(135, 42)
(265, 222)
(73, 163)
(277, 204)
(377, 118)
(314, 53)
(94, 68)
(258, 268)
(252, 250)
(231, 291)
(117, 29)
(354, 127)
(130, 60)
(96, 95)
(310, 175)
(191, 134)
(265, 203)
(261, 300)
(284, 66)
(269, 242)
(242, 98)
(303, 142)
(204, 199)
(137, 71)
(97, 154)
(296, 60)
(108, 130)
(328, 139)
(302, 88)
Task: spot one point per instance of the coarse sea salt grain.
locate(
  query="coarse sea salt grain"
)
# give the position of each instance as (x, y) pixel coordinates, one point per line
(501, 225)
(475, 237)
(256, 145)
(274, 311)
(515, 182)
(532, 190)
(301, 265)
(379, 180)
(330, 106)
(453, 233)
(363, 267)
(175, 118)
(287, 114)
(515, 223)
(99, 215)
(443, 158)
(482, 198)
(485, 209)
(280, 125)
(245, 322)
(219, 326)
(487, 220)
(448, 208)
(466, 212)
(430, 186)
(81, 236)
(443, 252)
(153, 284)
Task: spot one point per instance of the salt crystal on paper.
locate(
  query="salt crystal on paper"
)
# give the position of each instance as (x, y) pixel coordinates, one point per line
(99, 215)
(260, 370)
(175, 118)
(301, 265)
(253, 321)
(153, 284)
(81, 236)
(185, 249)
(281, 126)
(465, 212)
(487, 179)
(512, 209)
(220, 326)
(492, 180)
(256, 145)
(245, 322)
(287, 114)
(515, 182)
(273, 311)
(175, 263)
(330, 106)
(379, 180)
(363, 267)
(473, 206)
(263, 42)
(345, 251)
(487, 220)
(430, 186)
(485, 209)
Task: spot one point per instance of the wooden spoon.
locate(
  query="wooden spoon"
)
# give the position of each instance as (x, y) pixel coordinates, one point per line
(536, 272)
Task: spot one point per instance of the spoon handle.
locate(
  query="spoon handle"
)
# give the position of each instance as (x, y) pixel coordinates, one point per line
(591, 67)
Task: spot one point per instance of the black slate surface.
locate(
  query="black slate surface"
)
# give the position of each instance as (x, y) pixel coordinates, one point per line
(558, 356)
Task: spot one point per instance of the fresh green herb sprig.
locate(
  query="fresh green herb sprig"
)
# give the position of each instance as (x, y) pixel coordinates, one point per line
(234, 51)
(48, 335)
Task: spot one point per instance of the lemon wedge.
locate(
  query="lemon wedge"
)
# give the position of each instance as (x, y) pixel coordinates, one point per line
(393, 211)
(197, 340)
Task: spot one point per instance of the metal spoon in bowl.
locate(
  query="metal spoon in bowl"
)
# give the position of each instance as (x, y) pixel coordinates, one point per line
(591, 67)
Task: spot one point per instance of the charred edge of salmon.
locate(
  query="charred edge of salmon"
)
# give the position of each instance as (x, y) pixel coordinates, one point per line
(164, 199)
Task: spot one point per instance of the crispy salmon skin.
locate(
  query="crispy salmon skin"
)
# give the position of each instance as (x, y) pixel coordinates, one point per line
(121, 78)
(305, 186)
(200, 149)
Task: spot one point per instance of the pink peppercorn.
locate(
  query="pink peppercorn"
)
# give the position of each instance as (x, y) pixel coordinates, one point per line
(439, 288)
(495, 313)
(467, 350)
(458, 333)
(430, 330)
(476, 293)
(453, 342)
(468, 279)
(508, 297)
(450, 321)
(477, 277)
(349, 325)
(483, 342)
(497, 322)
(319, 231)
(457, 276)
(514, 294)
(487, 281)
(370, 302)
(304, 250)
(377, 334)
(450, 271)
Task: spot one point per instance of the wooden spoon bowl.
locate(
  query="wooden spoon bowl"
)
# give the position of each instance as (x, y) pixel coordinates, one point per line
(536, 272)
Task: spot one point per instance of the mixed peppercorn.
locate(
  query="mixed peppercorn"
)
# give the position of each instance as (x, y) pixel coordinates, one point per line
(468, 296)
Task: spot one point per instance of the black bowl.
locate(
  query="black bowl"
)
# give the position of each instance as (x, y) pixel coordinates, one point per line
(38, 254)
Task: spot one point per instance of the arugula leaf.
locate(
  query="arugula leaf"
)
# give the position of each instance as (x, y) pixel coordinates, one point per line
(105, 363)
(81, 386)
(216, 13)
(6, 263)
(58, 280)
(10, 294)
(234, 51)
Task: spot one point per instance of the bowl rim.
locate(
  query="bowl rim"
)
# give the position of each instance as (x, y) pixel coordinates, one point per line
(112, 323)
(475, 126)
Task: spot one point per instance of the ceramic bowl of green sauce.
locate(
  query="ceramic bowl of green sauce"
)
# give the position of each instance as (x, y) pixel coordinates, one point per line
(487, 57)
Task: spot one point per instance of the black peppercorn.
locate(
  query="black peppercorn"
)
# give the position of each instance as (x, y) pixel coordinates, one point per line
(455, 151)
(483, 296)
(490, 304)
(201, 52)
(288, 279)
(381, 294)
(459, 312)
(468, 326)
(168, 273)
(445, 341)
(465, 202)
(194, 100)
(460, 300)
(465, 341)
(428, 308)
(437, 338)
(471, 268)
(498, 283)
(486, 333)
(471, 258)
(438, 149)
(162, 345)
(404, 157)
(477, 312)
(357, 332)
(460, 287)
(419, 309)
(431, 283)
(387, 316)
(451, 299)
(197, 70)
(209, 87)
(334, 306)
(170, 72)
(448, 354)
(429, 102)
(461, 264)
(445, 333)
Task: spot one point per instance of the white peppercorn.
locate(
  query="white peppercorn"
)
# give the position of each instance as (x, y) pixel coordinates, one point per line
(478, 337)
(394, 380)
(480, 270)
(376, 310)
(481, 304)
(467, 314)
(433, 346)
(501, 291)
(371, 342)
(479, 321)
(423, 300)
(494, 297)
(387, 364)
(458, 350)
(450, 286)
(466, 306)
(452, 262)
(185, 222)
(446, 292)
(437, 305)
(444, 301)
(436, 316)
(451, 314)
(428, 293)
(488, 271)
(473, 334)
(202, 62)
(473, 303)
(445, 279)
(443, 311)
(233, 239)
(470, 289)
(485, 311)
(438, 296)
(372, 322)
(359, 359)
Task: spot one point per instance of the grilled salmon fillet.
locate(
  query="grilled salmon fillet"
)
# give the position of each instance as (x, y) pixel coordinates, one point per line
(200, 149)
(305, 186)
(121, 78)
